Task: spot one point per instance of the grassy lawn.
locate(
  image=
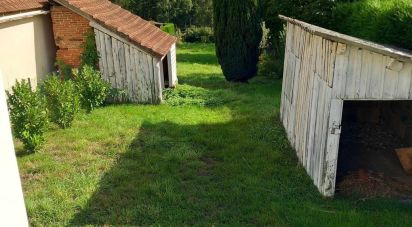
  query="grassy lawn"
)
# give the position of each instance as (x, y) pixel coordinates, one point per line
(214, 154)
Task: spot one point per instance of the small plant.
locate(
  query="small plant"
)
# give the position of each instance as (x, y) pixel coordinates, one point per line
(169, 28)
(28, 114)
(90, 55)
(93, 90)
(62, 100)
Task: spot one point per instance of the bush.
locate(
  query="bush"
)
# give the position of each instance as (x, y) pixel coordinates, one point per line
(383, 21)
(93, 90)
(199, 34)
(62, 100)
(238, 34)
(28, 115)
(169, 28)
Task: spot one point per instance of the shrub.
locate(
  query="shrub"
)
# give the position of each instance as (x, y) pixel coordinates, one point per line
(90, 55)
(62, 100)
(28, 115)
(199, 34)
(93, 90)
(238, 33)
(169, 28)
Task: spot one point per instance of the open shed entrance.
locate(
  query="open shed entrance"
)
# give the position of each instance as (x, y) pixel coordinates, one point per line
(368, 163)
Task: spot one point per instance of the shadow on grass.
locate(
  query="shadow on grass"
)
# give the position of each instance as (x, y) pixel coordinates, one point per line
(225, 173)
(203, 58)
(191, 174)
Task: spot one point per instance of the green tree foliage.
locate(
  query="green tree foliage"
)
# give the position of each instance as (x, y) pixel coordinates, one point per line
(183, 13)
(382, 21)
(238, 33)
(318, 12)
(28, 115)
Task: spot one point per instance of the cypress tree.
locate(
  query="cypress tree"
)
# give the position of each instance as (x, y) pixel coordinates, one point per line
(238, 33)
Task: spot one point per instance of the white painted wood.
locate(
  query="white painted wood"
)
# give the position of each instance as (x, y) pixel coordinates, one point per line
(354, 73)
(12, 208)
(319, 74)
(365, 76)
(157, 76)
(171, 59)
(404, 82)
(340, 71)
(377, 77)
(331, 159)
(391, 81)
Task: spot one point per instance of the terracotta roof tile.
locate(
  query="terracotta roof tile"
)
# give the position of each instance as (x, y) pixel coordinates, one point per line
(111, 16)
(14, 6)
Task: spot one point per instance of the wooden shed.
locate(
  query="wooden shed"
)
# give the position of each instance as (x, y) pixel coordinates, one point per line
(135, 55)
(325, 71)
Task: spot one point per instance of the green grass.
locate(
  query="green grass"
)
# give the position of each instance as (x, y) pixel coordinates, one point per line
(214, 154)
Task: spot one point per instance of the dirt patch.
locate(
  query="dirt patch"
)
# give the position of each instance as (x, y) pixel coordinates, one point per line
(368, 165)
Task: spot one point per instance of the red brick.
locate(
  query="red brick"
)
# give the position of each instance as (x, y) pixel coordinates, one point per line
(69, 33)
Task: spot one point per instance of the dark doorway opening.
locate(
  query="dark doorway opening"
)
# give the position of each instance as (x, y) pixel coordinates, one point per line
(368, 164)
(165, 72)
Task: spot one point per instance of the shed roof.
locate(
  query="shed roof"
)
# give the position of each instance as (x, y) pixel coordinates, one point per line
(14, 6)
(402, 55)
(124, 23)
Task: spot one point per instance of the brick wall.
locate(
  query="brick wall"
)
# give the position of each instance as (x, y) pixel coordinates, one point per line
(69, 34)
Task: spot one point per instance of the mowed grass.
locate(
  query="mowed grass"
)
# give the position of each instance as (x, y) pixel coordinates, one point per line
(215, 154)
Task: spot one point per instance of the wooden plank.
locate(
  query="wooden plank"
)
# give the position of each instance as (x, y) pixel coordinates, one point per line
(129, 72)
(404, 82)
(376, 80)
(109, 60)
(331, 159)
(116, 65)
(98, 48)
(122, 64)
(318, 132)
(332, 61)
(141, 92)
(103, 58)
(354, 73)
(365, 75)
(323, 146)
(157, 76)
(391, 81)
(150, 79)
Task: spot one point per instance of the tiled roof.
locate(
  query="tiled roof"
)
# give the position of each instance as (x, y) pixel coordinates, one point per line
(124, 23)
(14, 6)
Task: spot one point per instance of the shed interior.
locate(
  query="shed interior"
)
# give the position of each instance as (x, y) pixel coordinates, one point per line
(367, 161)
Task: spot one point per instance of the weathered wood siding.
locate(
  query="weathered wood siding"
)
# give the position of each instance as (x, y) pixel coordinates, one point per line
(171, 59)
(320, 72)
(129, 68)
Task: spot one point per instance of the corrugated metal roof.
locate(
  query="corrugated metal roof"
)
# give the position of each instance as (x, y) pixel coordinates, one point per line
(14, 6)
(124, 23)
